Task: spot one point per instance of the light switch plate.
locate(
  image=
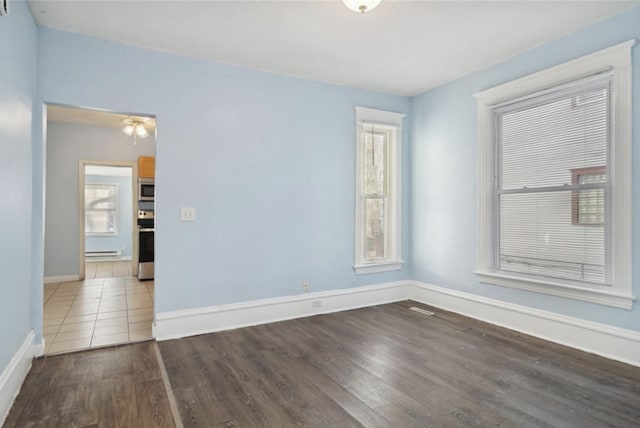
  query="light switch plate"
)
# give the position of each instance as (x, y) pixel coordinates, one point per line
(188, 214)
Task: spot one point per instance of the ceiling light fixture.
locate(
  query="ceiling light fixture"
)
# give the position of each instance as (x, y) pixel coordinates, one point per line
(361, 6)
(136, 128)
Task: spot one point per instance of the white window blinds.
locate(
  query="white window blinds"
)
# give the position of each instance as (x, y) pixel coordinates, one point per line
(552, 187)
(376, 191)
(101, 215)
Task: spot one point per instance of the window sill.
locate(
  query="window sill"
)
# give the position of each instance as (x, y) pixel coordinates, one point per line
(594, 295)
(378, 267)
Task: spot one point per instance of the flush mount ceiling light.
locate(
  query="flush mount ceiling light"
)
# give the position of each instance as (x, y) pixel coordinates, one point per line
(361, 6)
(136, 128)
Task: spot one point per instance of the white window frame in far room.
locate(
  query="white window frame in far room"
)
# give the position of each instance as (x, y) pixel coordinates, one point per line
(391, 123)
(115, 196)
(617, 60)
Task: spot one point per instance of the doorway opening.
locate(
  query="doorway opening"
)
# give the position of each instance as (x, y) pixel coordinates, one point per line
(108, 206)
(92, 294)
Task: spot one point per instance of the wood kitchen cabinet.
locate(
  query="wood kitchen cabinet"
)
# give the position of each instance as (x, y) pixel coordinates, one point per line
(146, 167)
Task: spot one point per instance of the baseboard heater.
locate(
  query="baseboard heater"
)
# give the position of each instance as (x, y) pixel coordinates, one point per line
(102, 254)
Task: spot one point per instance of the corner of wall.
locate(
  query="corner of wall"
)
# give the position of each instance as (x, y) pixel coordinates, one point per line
(15, 373)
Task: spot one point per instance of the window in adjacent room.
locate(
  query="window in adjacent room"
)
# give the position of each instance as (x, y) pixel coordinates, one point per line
(101, 209)
(378, 232)
(556, 178)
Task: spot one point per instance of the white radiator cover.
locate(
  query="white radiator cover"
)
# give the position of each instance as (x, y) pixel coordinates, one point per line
(101, 254)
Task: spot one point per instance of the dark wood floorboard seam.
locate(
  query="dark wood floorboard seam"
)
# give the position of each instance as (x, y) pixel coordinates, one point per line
(167, 386)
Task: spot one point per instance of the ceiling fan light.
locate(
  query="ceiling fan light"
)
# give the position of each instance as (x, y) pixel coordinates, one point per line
(129, 129)
(361, 6)
(141, 131)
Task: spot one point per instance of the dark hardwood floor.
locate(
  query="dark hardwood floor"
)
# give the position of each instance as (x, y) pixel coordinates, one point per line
(384, 366)
(112, 387)
(387, 366)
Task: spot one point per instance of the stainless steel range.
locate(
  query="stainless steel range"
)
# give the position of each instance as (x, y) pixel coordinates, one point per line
(146, 231)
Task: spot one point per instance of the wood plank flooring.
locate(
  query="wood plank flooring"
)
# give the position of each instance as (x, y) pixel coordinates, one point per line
(387, 366)
(384, 366)
(112, 387)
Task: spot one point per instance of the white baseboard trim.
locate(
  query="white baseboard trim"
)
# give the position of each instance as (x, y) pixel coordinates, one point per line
(190, 322)
(38, 348)
(14, 374)
(601, 339)
(61, 278)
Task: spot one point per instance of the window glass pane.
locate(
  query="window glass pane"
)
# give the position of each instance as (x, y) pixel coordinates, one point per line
(375, 162)
(100, 196)
(100, 222)
(100, 208)
(591, 206)
(374, 213)
(554, 139)
(537, 237)
(102, 202)
(542, 142)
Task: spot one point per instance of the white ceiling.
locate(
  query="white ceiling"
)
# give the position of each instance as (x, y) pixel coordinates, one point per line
(58, 113)
(401, 47)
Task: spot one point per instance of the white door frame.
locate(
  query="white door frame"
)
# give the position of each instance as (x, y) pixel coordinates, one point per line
(81, 211)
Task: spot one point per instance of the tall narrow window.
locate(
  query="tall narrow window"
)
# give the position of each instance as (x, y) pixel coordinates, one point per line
(376, 192)
(378, 230)
(555, 180)
(101, 209)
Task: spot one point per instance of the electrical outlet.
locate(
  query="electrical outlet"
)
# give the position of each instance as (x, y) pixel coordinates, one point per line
(305, 285)
(188, 214)
(316, 303)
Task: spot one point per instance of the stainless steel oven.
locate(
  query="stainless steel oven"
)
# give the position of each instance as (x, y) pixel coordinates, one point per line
(146, 189)
(146, 244)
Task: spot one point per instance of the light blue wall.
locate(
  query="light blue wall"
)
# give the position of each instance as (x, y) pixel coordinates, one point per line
(123, 240)
(266, 160)
(444, 167)
(17, 90)
(67, 144)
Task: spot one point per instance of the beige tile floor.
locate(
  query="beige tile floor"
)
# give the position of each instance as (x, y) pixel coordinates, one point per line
(107, 269)
(96, 312)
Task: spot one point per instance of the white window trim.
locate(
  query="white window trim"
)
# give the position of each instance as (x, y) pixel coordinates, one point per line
(617, 59)
(393, 121)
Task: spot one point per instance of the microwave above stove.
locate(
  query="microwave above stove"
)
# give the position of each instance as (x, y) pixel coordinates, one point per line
(146, 189)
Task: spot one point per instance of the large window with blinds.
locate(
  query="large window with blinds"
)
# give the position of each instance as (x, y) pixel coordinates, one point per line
(540, 142)
(378, 233)
(555, 181)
